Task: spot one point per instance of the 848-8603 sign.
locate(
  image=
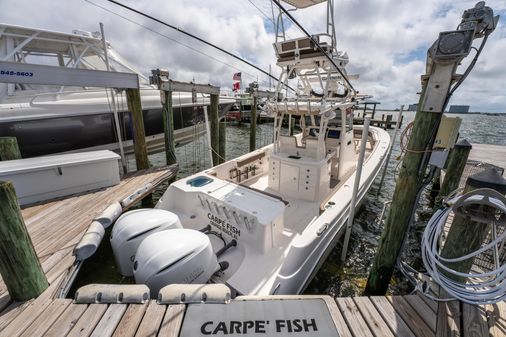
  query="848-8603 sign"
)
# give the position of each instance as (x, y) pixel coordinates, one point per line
(16, 73)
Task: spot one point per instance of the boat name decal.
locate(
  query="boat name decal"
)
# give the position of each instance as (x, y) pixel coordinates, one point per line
(16, 73)
(258, 327)
(224, 226)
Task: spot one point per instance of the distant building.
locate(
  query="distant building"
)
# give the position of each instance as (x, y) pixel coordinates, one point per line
(459, 109)
(412, 107)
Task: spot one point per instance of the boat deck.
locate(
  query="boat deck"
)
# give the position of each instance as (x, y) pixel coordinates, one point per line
(55, 227)
(406, 316)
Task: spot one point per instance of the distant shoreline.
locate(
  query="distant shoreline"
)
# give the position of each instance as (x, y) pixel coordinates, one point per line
(446, 112)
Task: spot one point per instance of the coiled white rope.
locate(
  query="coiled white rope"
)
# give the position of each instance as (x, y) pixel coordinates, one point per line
(475, 288)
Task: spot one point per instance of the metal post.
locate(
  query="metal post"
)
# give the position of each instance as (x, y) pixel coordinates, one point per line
(390, 148)
(114, 107)
(356, 185)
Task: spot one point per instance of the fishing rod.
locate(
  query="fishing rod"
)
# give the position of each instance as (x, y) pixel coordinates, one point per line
(196, 38)
(283, 9)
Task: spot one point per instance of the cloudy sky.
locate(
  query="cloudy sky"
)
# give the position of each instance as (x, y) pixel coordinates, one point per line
(386, 40)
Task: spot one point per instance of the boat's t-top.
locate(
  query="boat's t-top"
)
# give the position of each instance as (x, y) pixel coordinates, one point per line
(313, 60)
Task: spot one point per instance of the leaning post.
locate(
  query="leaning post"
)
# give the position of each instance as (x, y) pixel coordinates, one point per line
(215, 128)
(9, 149)
(443, 58)
(135, 108)
(456, 164)
(19, 265)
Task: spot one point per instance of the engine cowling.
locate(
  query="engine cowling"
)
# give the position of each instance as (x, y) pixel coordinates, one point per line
(132, 228)
(175, 256)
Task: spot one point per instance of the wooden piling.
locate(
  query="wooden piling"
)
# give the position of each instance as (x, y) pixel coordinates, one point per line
(9, 149)
(168, 128)
(457, 160)
(404, 200)
(223, 141)
(215, 128)
(466, 235)
(19, 265)
(388, 124)
(253, 125)
(135, 108)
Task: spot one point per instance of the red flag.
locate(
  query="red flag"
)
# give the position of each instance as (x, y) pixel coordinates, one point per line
(236, 86)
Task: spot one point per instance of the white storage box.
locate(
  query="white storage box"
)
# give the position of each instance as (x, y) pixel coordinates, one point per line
(49, 177)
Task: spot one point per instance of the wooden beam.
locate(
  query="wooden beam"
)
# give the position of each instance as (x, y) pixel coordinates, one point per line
(168, 128)
(9, 148)
(19, 265)
(172, 85)
(456, 164)
(135, 108)
(253, 125)
(214, 127)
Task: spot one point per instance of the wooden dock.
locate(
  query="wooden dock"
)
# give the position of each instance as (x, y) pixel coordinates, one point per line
(55, 227)
(406, 316)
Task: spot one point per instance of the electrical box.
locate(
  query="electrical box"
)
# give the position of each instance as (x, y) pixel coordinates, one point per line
(448, 132)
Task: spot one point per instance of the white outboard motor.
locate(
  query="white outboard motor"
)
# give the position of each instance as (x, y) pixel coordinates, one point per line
(175, 256)
(133, 227)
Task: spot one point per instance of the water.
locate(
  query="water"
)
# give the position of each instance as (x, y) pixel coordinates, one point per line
(333, 278)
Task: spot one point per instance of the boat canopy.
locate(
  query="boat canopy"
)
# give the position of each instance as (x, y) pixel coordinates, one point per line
(303, 3)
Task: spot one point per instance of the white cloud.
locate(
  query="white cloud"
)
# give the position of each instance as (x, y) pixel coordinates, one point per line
(386, 40)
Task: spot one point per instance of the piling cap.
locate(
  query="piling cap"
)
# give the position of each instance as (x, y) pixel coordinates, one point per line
(463, 143)
(489, 178)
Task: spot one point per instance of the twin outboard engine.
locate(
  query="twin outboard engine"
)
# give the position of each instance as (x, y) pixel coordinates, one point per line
(132, 228)
(151, 245)
(175, 256)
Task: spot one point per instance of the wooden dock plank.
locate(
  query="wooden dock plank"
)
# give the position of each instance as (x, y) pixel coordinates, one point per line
(24, 320)
(110, 320)
(353, 318)
(23, 315)
(448, 317)
(152, 319)
(47, 318)
(172, 321)
(391, 317)
(67, 320)
(128, 325)
(474, 320)
(5, 300)
(429, 301)
(339, 321)
(11, 312)
(373, 319)
(87, 322)
(423, 310)
(497, 319)
(410, 316)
